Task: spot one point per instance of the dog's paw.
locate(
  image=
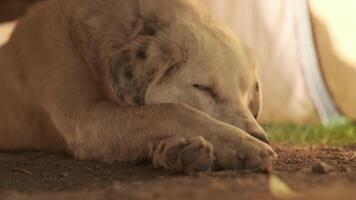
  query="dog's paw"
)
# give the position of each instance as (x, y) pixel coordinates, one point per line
(243, 153)
(184, 155)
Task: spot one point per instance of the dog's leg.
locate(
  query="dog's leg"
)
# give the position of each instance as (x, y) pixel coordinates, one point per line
(173, 136)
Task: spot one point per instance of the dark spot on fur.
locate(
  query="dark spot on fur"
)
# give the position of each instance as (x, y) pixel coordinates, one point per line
(120, 96)
(139, 100)
(142, 51)
(141, 54)
(126, 57)
(128, 74)
(148, 31)
(257, 87)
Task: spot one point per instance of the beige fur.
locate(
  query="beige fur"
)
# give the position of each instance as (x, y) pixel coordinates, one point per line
(133, 80)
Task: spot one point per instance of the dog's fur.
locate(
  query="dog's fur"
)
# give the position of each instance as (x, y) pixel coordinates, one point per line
(131, 80)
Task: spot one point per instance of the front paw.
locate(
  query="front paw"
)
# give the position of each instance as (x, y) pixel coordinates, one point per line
(184, 155)
(243, 152)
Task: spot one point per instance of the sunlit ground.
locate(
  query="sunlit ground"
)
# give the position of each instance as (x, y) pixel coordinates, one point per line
(340, 134)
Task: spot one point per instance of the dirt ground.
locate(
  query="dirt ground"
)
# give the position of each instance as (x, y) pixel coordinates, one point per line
(321, 171)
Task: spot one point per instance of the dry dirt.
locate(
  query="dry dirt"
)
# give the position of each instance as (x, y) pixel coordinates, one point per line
(321, 171)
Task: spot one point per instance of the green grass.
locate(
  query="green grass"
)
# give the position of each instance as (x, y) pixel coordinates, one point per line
(340, 134)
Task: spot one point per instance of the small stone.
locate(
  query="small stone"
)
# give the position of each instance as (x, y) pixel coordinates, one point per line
(64, 174)
(321, 168)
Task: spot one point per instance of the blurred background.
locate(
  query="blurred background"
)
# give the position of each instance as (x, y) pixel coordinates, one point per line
(307, 55)
(306, 51)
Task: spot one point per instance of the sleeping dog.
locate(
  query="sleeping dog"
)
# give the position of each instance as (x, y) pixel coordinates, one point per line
(140, 80)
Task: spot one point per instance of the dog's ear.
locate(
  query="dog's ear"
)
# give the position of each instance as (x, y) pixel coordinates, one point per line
(147, 55)
(159, 12)
(134, 67)
(126, 58)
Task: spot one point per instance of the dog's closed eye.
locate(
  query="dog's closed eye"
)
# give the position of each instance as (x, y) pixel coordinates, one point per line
(207, 89)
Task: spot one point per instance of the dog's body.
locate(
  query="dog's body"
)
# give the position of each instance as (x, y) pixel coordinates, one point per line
(128, 81)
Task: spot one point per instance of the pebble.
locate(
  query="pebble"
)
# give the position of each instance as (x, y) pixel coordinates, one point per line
(64, 174)
(321, 168)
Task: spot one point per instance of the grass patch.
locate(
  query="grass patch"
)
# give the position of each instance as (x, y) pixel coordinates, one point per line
(341, 134)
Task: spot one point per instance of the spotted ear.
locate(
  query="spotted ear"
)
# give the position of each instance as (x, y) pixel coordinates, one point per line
(134, 67)
(160, 12)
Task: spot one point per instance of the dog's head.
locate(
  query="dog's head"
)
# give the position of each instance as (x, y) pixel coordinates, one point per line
(171, 51)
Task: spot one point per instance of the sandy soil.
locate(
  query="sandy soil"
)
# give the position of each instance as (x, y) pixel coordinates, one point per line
(310, 171)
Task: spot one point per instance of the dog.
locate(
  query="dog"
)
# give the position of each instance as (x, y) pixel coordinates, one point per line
(140, 80)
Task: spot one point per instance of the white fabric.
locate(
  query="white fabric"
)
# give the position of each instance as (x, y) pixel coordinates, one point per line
(270, 28)
(312, 71)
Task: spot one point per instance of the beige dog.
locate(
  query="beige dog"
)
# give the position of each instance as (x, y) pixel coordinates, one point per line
(134, 80)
